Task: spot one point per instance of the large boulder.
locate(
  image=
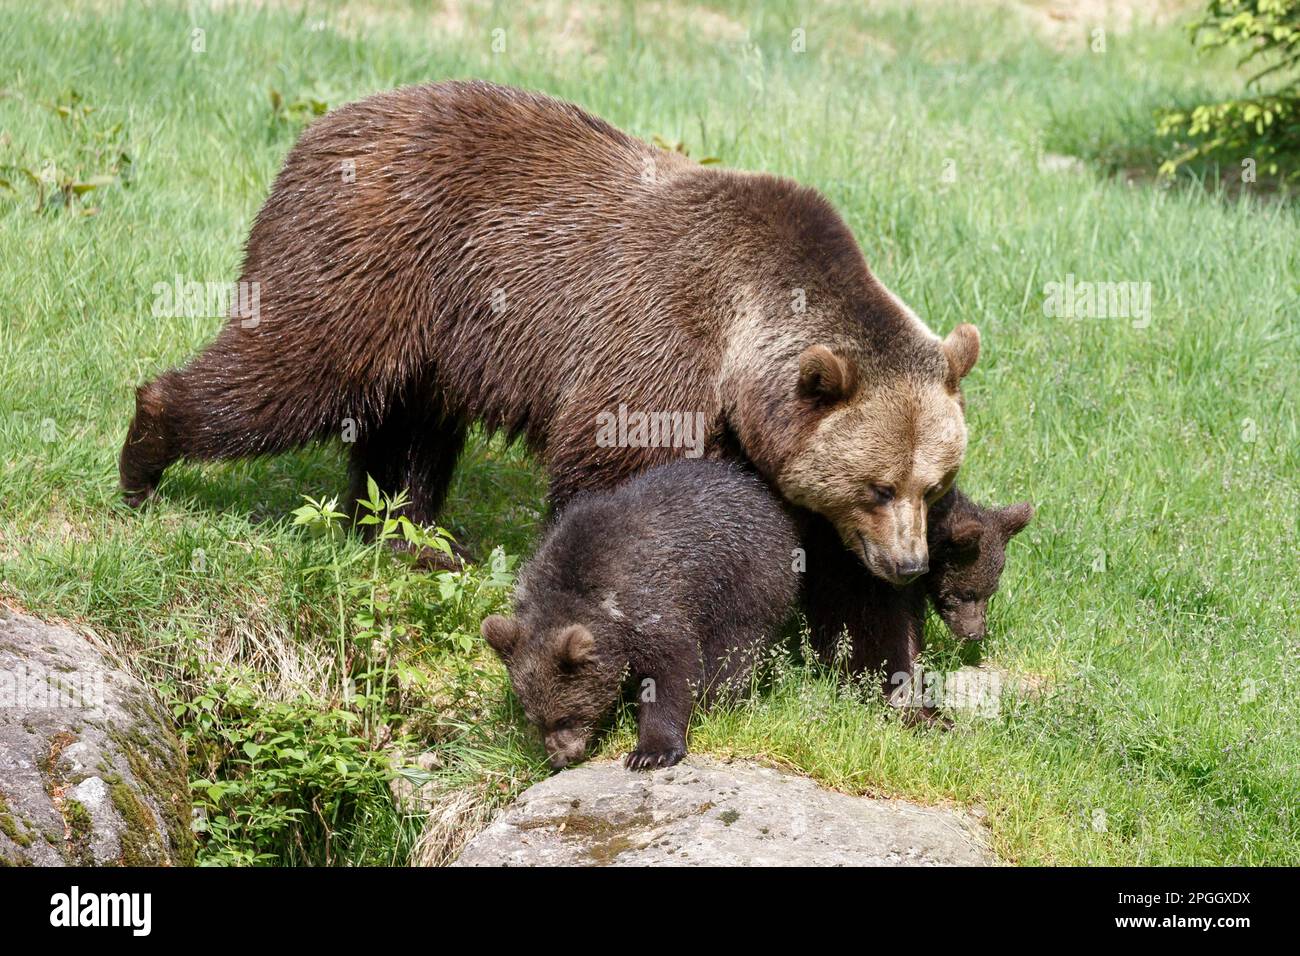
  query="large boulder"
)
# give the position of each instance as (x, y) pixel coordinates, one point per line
(91, 772)
(705, 813)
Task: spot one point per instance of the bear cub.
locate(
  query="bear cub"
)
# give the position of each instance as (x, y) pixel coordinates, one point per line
(669, 586)
(968, 548)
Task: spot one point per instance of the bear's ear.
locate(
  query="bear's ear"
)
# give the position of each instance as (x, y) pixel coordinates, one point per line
(1014, 517)
(825, 375)
(574, 646)
(962, 346)
(965, 533)
(501, 633)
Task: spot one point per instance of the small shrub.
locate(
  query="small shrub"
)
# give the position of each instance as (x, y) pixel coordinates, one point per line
(280, 780)
(305, 780)
(1262, 128)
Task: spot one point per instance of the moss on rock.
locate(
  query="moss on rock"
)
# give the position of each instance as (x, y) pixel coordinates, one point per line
(141, 842)
(9, 826)
(160, 768)
(80, 831)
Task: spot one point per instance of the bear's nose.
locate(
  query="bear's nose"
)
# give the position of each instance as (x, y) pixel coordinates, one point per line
(909, 571)
(564, 747)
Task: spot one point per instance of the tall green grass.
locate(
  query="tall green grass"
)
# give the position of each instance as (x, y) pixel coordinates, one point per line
(1156, 592)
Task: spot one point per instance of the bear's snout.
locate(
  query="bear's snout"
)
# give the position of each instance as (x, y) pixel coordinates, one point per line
(968, 620)
(898, 569)
(890, 539)
(905, 572)
(564, 747)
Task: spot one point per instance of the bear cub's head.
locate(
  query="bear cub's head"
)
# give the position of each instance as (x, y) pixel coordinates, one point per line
(968, 545)
(563, 681)
(879, 446)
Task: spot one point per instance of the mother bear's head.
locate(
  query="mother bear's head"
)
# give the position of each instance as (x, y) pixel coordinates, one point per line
(835, 390)
(875, 453)
(867, 430)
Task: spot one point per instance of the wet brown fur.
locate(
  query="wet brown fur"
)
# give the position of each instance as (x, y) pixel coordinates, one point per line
(506, 258)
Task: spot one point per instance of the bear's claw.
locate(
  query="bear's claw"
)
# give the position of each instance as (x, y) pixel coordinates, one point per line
(652, 759)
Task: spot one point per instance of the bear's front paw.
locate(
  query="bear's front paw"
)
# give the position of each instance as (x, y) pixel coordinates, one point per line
(647, 758)
(135, 499)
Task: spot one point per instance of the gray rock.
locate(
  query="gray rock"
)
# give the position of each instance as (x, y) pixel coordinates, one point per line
(91, 772)
(706, 813)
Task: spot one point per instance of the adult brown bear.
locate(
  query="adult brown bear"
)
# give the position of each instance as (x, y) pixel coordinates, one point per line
(463, 252)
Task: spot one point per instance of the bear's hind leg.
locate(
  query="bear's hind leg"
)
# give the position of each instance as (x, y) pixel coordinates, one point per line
(151, 442)
(235, 399)
(414, 449)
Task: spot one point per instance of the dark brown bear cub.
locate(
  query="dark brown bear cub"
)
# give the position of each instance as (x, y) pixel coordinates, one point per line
(968, 548)
(671, 584)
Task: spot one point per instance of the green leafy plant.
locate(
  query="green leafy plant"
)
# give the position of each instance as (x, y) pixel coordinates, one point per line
(1263, 128)
(96, 159)
(466, 597)
(372, 597)
(279, 782)
(289, 781)
(298, 111)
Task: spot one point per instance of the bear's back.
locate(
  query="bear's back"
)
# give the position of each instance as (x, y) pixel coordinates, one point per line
(472, 237)
(696, 540)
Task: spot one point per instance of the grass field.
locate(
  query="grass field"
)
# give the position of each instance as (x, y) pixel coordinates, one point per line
(1156, 593)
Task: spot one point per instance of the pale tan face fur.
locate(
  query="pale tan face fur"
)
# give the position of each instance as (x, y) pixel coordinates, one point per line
(852, 472)
(880, 455)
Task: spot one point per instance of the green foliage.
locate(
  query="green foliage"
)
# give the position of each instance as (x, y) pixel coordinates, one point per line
(95, 157)
(1262, 128)
(286, 781)
(279, 781)
(401, 606)
(296, 113)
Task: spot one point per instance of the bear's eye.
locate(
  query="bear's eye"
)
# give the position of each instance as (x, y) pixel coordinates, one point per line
(882, 493)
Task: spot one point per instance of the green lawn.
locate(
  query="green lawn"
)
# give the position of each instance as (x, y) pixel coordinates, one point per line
(1156, 592)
